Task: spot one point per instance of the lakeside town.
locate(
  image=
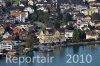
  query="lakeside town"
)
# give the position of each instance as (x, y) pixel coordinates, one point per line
(40, 24)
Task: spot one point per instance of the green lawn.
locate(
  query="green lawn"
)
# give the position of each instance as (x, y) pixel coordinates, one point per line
(17, 1)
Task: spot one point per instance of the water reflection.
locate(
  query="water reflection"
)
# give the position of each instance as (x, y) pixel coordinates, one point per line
(93, 46)
(75, 49)
(60, 56)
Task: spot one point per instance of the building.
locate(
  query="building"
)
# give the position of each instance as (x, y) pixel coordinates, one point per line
(29, 9)
(6, 35)
(51, 36)
(68, 34)
(97, 23)
(8, 45)
(90, 11)
(2, 29)
(84, 26)
(97, 26)
(91, 0)
(92, 35)
(30, 2)
(19, 15)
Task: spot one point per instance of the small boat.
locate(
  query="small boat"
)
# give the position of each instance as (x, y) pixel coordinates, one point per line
(49, 50)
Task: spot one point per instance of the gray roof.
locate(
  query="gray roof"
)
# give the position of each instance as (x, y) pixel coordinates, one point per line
(69, 30)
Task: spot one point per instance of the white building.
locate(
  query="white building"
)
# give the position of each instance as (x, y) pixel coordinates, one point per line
(68, 34)
(29, 9)
(91, 0)
(92, 35)
(20, 16)
(26, 27)
(6, 35)
(8, 45)
(43, 9)
(30, 2)
(84, 26)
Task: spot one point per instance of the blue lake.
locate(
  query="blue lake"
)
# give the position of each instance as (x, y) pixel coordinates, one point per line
(60, 57)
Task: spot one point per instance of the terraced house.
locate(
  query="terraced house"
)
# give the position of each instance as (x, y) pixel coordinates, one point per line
(51, 36)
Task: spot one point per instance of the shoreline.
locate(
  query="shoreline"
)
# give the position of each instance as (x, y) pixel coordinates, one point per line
(65, 45)
(75, 43)
(83, 43)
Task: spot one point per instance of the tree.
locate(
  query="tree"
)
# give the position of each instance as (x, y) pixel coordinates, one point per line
(95, 16)
(76, 35)
(57, 24)
(21, 48)
(8, 4)
(64, 18)
(43, 17)
(82, 34)
(31, 41)
(59, 13)
(68, 17)
(33, 16)
(0, 37)
(39, 16)
(35, 8)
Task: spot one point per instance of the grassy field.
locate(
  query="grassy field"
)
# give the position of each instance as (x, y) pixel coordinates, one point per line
(17, 1)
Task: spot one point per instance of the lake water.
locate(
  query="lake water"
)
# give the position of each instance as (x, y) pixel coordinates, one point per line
(90, 53)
